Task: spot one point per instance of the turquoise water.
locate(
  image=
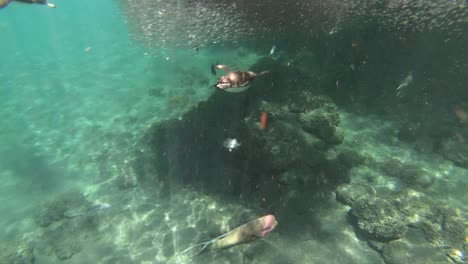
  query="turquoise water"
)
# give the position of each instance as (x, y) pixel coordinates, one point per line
(112, 142)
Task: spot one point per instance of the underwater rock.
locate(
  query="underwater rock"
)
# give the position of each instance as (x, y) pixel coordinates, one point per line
(68, 222)
(415, 176)
(378, 218)
(404, 252)
(188, 151)
(396, 252)
(127, 179)
(252, 251)
(445, 228)
(413, 248)
(55, 210)
(350, 158)
(338, 164)
(284, 145)
(413, 205)
(455, 151)
(66, 238)
(348, 193)
(286, 141)
(410, 174)
(306, 101)
(319, 122)
(424, 136)
(409, 132)
(391, 167)
(337, 167)
(453, 228)
(65, 251)
(426, 232)
(16, 253)
(317, 115)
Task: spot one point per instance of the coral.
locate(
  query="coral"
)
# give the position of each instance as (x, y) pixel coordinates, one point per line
(16, 252)
(321, 123)
(445, 228)
(410, 174)
(404, 251)
(299, 129)
(66, 250)
(66, 224)
(456, 151)
(285, 144)
(350, 158)
(307, 101)
(54, 210)
(347, 193)
(378, 218)
(317, 115)
(425, 230)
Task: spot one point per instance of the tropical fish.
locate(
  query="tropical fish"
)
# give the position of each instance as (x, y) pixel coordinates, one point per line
(401, 89)
(272, 51)
(263, 120)
(231, 143)
(234, 81)
(246, 233)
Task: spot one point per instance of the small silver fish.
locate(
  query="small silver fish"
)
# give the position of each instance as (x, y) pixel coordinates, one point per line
(272, 51)
(231, 143)
(406, 82)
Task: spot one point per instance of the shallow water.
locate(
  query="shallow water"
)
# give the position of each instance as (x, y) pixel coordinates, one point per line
(113, 103)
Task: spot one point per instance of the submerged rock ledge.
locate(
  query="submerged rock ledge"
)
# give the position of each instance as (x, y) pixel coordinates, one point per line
(302, 131)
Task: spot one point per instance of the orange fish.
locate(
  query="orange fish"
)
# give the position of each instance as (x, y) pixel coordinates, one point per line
(263, 120)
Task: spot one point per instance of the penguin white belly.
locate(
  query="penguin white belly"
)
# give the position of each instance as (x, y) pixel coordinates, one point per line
(238, 89)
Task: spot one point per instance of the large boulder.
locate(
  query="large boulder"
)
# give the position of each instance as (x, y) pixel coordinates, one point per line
(378, 218)
(300, 131)
(408, 173)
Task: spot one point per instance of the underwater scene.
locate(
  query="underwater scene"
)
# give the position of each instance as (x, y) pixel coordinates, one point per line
(234, 131)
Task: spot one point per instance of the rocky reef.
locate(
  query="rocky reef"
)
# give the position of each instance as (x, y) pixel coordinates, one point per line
(298, 150)
(298, 145)
(406, 226)
(407, 173)
(16, 252)
(67, 222)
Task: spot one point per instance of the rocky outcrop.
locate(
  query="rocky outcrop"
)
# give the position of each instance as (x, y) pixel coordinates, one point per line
(408, 173)
(301, 130)
(406, 226)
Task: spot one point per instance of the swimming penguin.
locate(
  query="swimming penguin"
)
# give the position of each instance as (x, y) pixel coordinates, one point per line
(234, 81)
(248, 232)
(4, 3)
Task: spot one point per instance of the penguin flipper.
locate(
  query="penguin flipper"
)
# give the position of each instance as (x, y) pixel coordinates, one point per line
(262, 73)
(213, 69)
